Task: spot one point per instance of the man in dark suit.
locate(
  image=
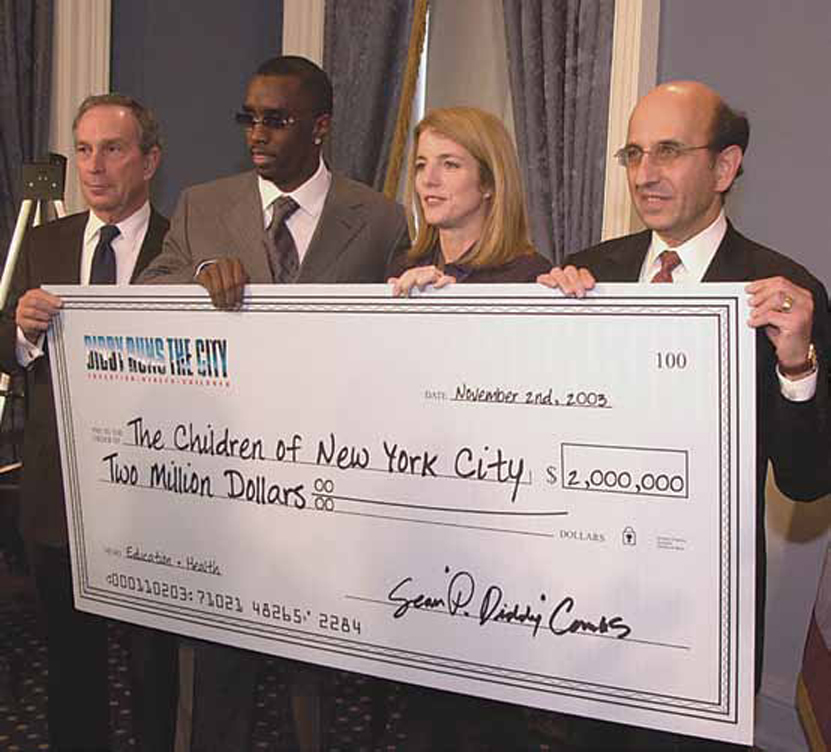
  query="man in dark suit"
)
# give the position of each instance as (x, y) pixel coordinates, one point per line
(117, 153)
(684, 150)
(289, 220)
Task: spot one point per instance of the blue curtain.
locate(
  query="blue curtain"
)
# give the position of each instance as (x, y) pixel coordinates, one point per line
(560, 60)
(25, 77)
(190, 61)
(365, 51)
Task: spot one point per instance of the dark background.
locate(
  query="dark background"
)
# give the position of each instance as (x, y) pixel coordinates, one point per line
(189, 61)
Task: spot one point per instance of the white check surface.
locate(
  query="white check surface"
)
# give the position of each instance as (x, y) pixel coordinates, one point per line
(494, 490)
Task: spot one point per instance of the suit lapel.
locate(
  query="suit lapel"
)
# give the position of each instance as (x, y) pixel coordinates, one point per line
(152, 244)
(66, 266)
(341, 219)
(733, 262)
(729, 264)
(67, 270)
(625, 262)
(246, 224)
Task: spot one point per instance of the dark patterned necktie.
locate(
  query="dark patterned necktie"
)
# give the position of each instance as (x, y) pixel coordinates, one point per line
(669, 260)
(103, 260)
(282, 252)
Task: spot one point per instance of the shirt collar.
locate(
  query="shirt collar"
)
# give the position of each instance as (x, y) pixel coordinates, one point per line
(695, 253)
(128, 228)
(309, 197)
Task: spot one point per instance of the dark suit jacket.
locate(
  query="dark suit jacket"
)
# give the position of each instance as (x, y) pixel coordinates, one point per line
(358, 232)
(51, 254)
(793, 436)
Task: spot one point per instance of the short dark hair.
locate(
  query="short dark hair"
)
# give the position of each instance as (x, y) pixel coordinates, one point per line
(149, 131)
(729, 128)
(313, 79)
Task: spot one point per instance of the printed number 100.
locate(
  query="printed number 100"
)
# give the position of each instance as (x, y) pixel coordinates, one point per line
(671, 360)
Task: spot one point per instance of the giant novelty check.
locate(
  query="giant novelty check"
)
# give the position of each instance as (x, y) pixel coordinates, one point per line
(493, 490)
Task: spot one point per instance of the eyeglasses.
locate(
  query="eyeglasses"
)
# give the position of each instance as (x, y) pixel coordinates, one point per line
(272, 122)
(663, 153)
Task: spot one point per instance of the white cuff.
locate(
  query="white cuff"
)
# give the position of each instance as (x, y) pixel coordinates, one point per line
(798, 391)
(202, 266)
(28, 352)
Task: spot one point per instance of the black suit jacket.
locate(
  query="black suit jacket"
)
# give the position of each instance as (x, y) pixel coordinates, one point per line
(793, 436)
(51, 254)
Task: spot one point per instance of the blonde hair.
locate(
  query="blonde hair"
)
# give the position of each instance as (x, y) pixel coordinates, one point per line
(505, 232)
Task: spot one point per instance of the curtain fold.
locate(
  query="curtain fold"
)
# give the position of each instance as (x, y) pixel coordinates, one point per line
(370, 50)
(559, 61)
(25, 77)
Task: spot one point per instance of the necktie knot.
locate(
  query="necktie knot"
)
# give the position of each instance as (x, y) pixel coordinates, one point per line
(284, 207)
(669, 260)
(108, 233)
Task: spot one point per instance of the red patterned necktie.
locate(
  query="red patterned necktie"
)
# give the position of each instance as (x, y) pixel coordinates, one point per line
(669, 260)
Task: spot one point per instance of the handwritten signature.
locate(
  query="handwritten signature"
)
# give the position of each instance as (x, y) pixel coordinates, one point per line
(460, 599)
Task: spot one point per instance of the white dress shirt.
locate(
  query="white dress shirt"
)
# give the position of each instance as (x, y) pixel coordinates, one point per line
(126, 246)
(310, 197)
(696, 254)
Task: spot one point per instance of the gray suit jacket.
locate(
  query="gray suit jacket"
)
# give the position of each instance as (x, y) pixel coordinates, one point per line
(358, 233)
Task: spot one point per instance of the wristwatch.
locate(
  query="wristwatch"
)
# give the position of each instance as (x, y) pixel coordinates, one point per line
(807, 367)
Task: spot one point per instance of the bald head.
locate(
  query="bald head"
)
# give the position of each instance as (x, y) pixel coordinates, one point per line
(690, 102)
(689, 158)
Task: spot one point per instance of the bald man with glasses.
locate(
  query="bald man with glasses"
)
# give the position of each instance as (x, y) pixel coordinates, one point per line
(684, 150)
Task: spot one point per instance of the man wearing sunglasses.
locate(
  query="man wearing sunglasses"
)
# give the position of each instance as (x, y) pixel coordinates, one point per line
(288, 220)
(241, 229)
(684, 150)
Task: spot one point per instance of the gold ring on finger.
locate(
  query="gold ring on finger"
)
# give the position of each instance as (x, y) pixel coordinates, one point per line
(787, 304)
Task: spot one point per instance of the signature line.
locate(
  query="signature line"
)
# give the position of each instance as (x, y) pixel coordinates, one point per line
(529, 625)
(405, 505)
(446, 524)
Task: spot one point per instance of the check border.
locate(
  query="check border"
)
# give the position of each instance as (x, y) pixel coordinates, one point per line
(724, 311)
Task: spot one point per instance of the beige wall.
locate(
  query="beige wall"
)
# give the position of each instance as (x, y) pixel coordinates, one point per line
(478, 76)
(770, 59)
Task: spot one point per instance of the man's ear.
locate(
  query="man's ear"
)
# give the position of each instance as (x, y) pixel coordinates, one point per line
(321, 128)
(151, 162)
(727, 166)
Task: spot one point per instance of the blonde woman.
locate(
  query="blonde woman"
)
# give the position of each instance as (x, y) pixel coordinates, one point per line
(470, 225)
(470, 222)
